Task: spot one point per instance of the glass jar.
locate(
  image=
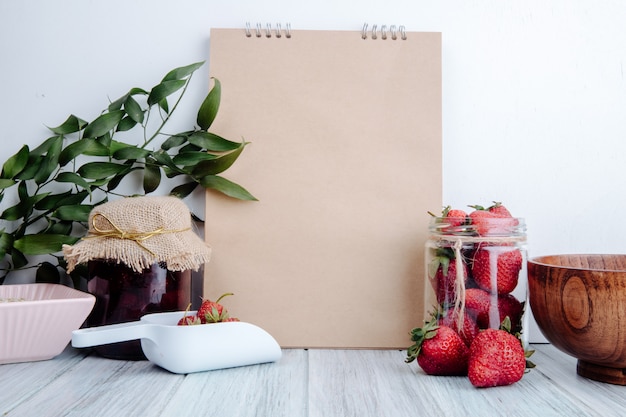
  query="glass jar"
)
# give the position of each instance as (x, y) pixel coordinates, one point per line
(124, 295)
(476, 276)
(142, 255)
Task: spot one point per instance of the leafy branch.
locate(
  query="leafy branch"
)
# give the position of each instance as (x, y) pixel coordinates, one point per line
(47, 193)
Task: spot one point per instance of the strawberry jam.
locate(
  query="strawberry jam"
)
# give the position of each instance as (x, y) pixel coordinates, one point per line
(123, 295)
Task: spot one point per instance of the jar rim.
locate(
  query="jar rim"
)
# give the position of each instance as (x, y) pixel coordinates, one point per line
(465, 226)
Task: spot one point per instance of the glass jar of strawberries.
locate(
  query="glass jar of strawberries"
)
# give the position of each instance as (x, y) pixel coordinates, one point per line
(476, 274)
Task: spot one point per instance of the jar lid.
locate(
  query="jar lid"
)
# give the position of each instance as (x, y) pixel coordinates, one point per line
(139, 232)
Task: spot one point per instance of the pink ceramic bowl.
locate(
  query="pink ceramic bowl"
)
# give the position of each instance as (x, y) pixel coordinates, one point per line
(37, 320)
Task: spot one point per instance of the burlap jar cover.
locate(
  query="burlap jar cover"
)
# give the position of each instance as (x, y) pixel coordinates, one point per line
(139, 232)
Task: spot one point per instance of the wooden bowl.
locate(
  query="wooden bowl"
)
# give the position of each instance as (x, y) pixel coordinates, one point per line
(579, 303)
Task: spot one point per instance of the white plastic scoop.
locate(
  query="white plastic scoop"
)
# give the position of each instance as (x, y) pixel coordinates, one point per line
(187, 349)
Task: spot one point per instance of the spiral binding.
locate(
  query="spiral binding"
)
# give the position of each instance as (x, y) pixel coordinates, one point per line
(393, 32)
(277, 31)
(268, 31)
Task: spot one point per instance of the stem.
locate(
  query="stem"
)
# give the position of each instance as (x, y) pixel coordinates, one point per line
(164, 122)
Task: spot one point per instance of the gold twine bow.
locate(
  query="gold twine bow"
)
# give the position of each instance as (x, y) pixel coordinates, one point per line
(116, 232)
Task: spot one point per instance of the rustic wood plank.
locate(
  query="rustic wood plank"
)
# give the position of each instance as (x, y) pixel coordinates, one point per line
(273, 389)
(20, 381)
(97, 386)
(357, 383)
(302, 383)
(596, 398)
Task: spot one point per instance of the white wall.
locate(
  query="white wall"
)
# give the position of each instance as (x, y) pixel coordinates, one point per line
(533, 91)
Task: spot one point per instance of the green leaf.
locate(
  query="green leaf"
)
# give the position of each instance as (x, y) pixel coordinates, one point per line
(34, 163)
(71, 125)
(164, 105)
(50, 162)
(133, 109)
(191, 158)
(76, 213)
(210, 106)
(47, 273)
(54, 201)
(190, 148)
(170, 173)
(116, 180)
(173, 142)
(86, 146)
(131, 152)
(117, 104)
(164, 159)
(73, 178)
(212, 142)
(41, 244)
(227, 187)
(126, 124)
(103, 124)
(60, 228)
(23, 208)
(101, 170)
(183, 190)
(45, 146)
(6, 243)
(151, 178)
(136, 91)
(16, 163)
(22, 191)
(18, 259)
(163, 90)
(5, 183)
(115, 146)
(217, 165)
(106, 139)
(182, 72)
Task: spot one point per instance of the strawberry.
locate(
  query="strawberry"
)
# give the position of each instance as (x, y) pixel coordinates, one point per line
(487, 223)
(499, 210)
(212, 311)
(451, 220)
(454, 217)
(506, 267)
(478, 303)
(439, 350)
(443, 274)
(230, 319)
(467, 328)
(189, 321)
(481, 219)
(496, 358)
(511, 307)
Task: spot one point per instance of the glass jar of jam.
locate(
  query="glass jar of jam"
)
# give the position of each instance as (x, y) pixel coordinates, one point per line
(142, 257)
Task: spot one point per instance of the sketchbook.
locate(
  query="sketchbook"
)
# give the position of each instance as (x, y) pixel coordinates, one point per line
(345, 159)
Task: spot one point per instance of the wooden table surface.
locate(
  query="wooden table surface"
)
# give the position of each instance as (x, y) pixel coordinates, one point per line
(302, 383)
